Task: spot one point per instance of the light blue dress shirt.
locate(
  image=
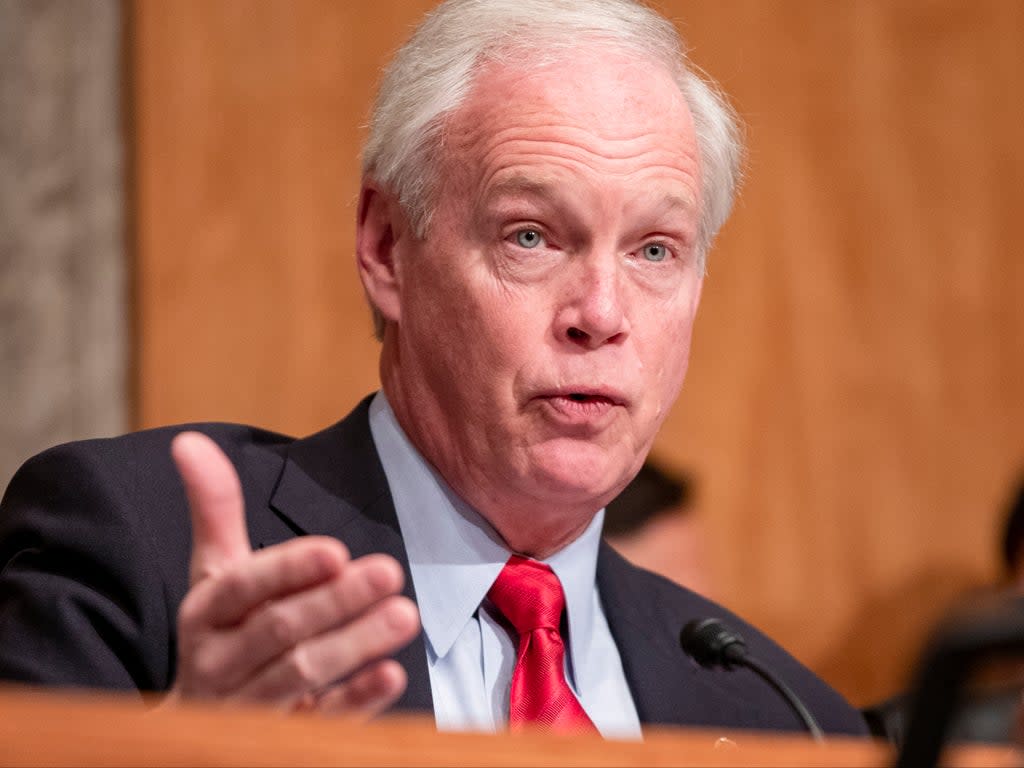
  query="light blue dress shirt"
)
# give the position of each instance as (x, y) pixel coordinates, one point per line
(454, 557)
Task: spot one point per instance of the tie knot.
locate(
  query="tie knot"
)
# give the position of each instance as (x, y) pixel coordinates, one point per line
(529, 595)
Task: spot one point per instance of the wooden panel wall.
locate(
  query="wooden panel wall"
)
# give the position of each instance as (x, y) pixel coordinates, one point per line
(854, 410)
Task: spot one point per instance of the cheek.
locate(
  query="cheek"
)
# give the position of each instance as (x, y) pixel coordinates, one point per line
(677, 357)
(666, 358)
(467, 332)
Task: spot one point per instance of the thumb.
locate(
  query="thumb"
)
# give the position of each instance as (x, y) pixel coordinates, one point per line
(219, 536)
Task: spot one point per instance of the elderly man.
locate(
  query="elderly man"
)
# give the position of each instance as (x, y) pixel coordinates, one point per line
(542, 181)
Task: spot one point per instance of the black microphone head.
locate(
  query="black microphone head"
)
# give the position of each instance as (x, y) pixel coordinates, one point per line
(712, 644)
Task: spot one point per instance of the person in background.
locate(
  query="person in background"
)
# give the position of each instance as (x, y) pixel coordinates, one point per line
(1012, 541)
(654, 523)
(541, 185)
(991, 710)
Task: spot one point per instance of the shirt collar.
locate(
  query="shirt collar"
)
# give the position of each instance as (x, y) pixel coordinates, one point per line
(455, 555)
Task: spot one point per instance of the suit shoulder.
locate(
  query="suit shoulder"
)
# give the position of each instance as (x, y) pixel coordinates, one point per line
(225, 434)
(126, 479)
(148, 449)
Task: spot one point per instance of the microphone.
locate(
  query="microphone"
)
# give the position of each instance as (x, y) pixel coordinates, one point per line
(712, 644)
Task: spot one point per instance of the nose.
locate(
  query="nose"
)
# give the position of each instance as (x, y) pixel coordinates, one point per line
(592, 313)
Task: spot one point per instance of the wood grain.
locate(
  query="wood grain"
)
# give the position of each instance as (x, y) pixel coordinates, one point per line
(59, 730)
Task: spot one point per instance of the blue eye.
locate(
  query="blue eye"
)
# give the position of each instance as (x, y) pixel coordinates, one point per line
(529, 238)
(654, 252)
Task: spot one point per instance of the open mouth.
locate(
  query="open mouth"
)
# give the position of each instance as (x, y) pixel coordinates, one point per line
(582, 397)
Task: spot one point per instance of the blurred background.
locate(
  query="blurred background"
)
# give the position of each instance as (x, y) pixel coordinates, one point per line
(177, 189)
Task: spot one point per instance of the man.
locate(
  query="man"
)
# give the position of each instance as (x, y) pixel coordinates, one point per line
(541, 183)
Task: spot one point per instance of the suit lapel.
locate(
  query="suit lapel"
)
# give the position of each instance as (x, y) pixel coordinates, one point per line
(333, 484)
(667, 686)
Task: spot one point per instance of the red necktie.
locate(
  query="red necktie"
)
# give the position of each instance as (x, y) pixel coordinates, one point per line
(530, 596)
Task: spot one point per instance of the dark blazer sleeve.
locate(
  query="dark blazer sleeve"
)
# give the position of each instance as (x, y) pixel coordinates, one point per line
(83, 602)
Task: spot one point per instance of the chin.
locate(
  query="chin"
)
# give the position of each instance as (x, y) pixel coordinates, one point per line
(573, 473)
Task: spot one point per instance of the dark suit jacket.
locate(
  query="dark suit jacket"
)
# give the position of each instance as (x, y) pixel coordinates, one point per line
(95, 544)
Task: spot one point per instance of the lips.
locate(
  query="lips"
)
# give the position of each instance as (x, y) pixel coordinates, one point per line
(581, 406)
(585, 396)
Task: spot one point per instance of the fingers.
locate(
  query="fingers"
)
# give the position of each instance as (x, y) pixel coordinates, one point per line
(280, 624)
(367, 693)
(225, 599)
(215, 501)
(316, 663)
(298, 625)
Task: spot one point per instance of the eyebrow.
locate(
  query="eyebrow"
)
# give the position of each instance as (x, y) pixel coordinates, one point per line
(673, 202)
(522, 185)
(664, 205)
(542, 188)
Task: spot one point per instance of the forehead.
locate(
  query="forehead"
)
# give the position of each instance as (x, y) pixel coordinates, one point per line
(591, 110)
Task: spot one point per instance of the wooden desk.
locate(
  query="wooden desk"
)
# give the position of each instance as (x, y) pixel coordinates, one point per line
(78, 730)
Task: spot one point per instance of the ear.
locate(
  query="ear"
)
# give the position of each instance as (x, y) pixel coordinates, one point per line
(379, 224)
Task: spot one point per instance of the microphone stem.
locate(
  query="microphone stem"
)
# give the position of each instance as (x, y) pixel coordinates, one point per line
(788, 695)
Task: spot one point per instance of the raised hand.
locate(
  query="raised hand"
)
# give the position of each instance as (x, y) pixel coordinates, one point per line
(299, 625)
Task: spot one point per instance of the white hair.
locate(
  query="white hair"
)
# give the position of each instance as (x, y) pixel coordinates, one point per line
(433, 72)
